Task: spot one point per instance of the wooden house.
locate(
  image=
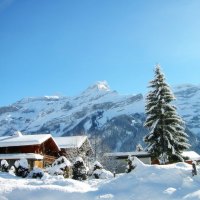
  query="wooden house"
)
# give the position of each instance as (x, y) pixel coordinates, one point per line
(40, 150)
(118, 161)
(73, 146)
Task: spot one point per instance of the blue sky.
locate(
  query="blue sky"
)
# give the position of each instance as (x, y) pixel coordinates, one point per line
(50, 47)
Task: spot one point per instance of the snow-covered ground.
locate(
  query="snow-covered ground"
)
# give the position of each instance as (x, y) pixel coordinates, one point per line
(144, 183)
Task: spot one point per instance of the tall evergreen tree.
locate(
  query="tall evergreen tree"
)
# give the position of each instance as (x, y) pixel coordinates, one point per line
(166, 139)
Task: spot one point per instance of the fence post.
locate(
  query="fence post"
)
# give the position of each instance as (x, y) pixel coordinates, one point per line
(194, 169)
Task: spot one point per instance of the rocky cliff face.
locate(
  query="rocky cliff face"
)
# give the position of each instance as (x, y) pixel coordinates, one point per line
(115, 120)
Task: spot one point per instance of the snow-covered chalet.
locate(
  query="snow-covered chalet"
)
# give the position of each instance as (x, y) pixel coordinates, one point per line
(40, 150)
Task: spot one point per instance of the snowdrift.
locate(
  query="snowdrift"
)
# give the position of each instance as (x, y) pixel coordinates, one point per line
(167, 182)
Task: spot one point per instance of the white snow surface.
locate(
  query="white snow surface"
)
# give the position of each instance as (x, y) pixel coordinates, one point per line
(22, 140)
(191, 154)
(21, 155)
(97, 163)
(17, 134)
(152, 182)
(36, 170)
(70, 141)
(79, 159)
(103, 174)
(22, 162)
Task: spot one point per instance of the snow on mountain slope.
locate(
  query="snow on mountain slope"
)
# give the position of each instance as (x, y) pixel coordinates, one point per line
(188, 104)
(167, 182)
(119, 118)
(59, 115)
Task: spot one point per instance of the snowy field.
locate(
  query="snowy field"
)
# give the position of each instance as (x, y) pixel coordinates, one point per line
(145, 182)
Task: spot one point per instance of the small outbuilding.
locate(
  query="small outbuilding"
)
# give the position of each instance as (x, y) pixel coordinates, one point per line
(74, 146)
(191, 156)
(118, 161)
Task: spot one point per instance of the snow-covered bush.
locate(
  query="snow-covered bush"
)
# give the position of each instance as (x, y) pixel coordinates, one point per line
(97, 165)
(36, 173)
(99, 172)
(102, 174)
(130, 165)
(21, 167)
(79, 169)
(61, 166)
(4, 166)
(12, 170)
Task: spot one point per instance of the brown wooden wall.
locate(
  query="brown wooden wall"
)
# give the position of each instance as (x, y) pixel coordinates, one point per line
(20, 149)
(49, 148)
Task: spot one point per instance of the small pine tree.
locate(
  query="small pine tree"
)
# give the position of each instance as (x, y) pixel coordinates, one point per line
(96, 168)
(167, 138)
(79, 169)
(130, 166)
(139, 148)
(4, 166)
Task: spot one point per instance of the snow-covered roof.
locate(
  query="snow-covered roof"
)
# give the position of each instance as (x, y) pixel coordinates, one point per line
(126, 154)
(192, 155)
(23, 140)
(14, 156)
(70, 141)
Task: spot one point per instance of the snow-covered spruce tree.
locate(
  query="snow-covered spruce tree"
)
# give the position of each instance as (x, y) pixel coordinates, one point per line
(166, 139)
(139, 148)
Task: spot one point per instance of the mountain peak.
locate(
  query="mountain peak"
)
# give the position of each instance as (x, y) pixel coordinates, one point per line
(99, 86)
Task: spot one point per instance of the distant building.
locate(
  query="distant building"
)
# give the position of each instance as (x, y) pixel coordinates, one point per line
(73, 146)
(191, 156)
(40, 149)
(118, 161)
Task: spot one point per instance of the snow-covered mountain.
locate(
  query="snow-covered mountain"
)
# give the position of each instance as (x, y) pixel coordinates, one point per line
(116, 119)
(188, 104)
